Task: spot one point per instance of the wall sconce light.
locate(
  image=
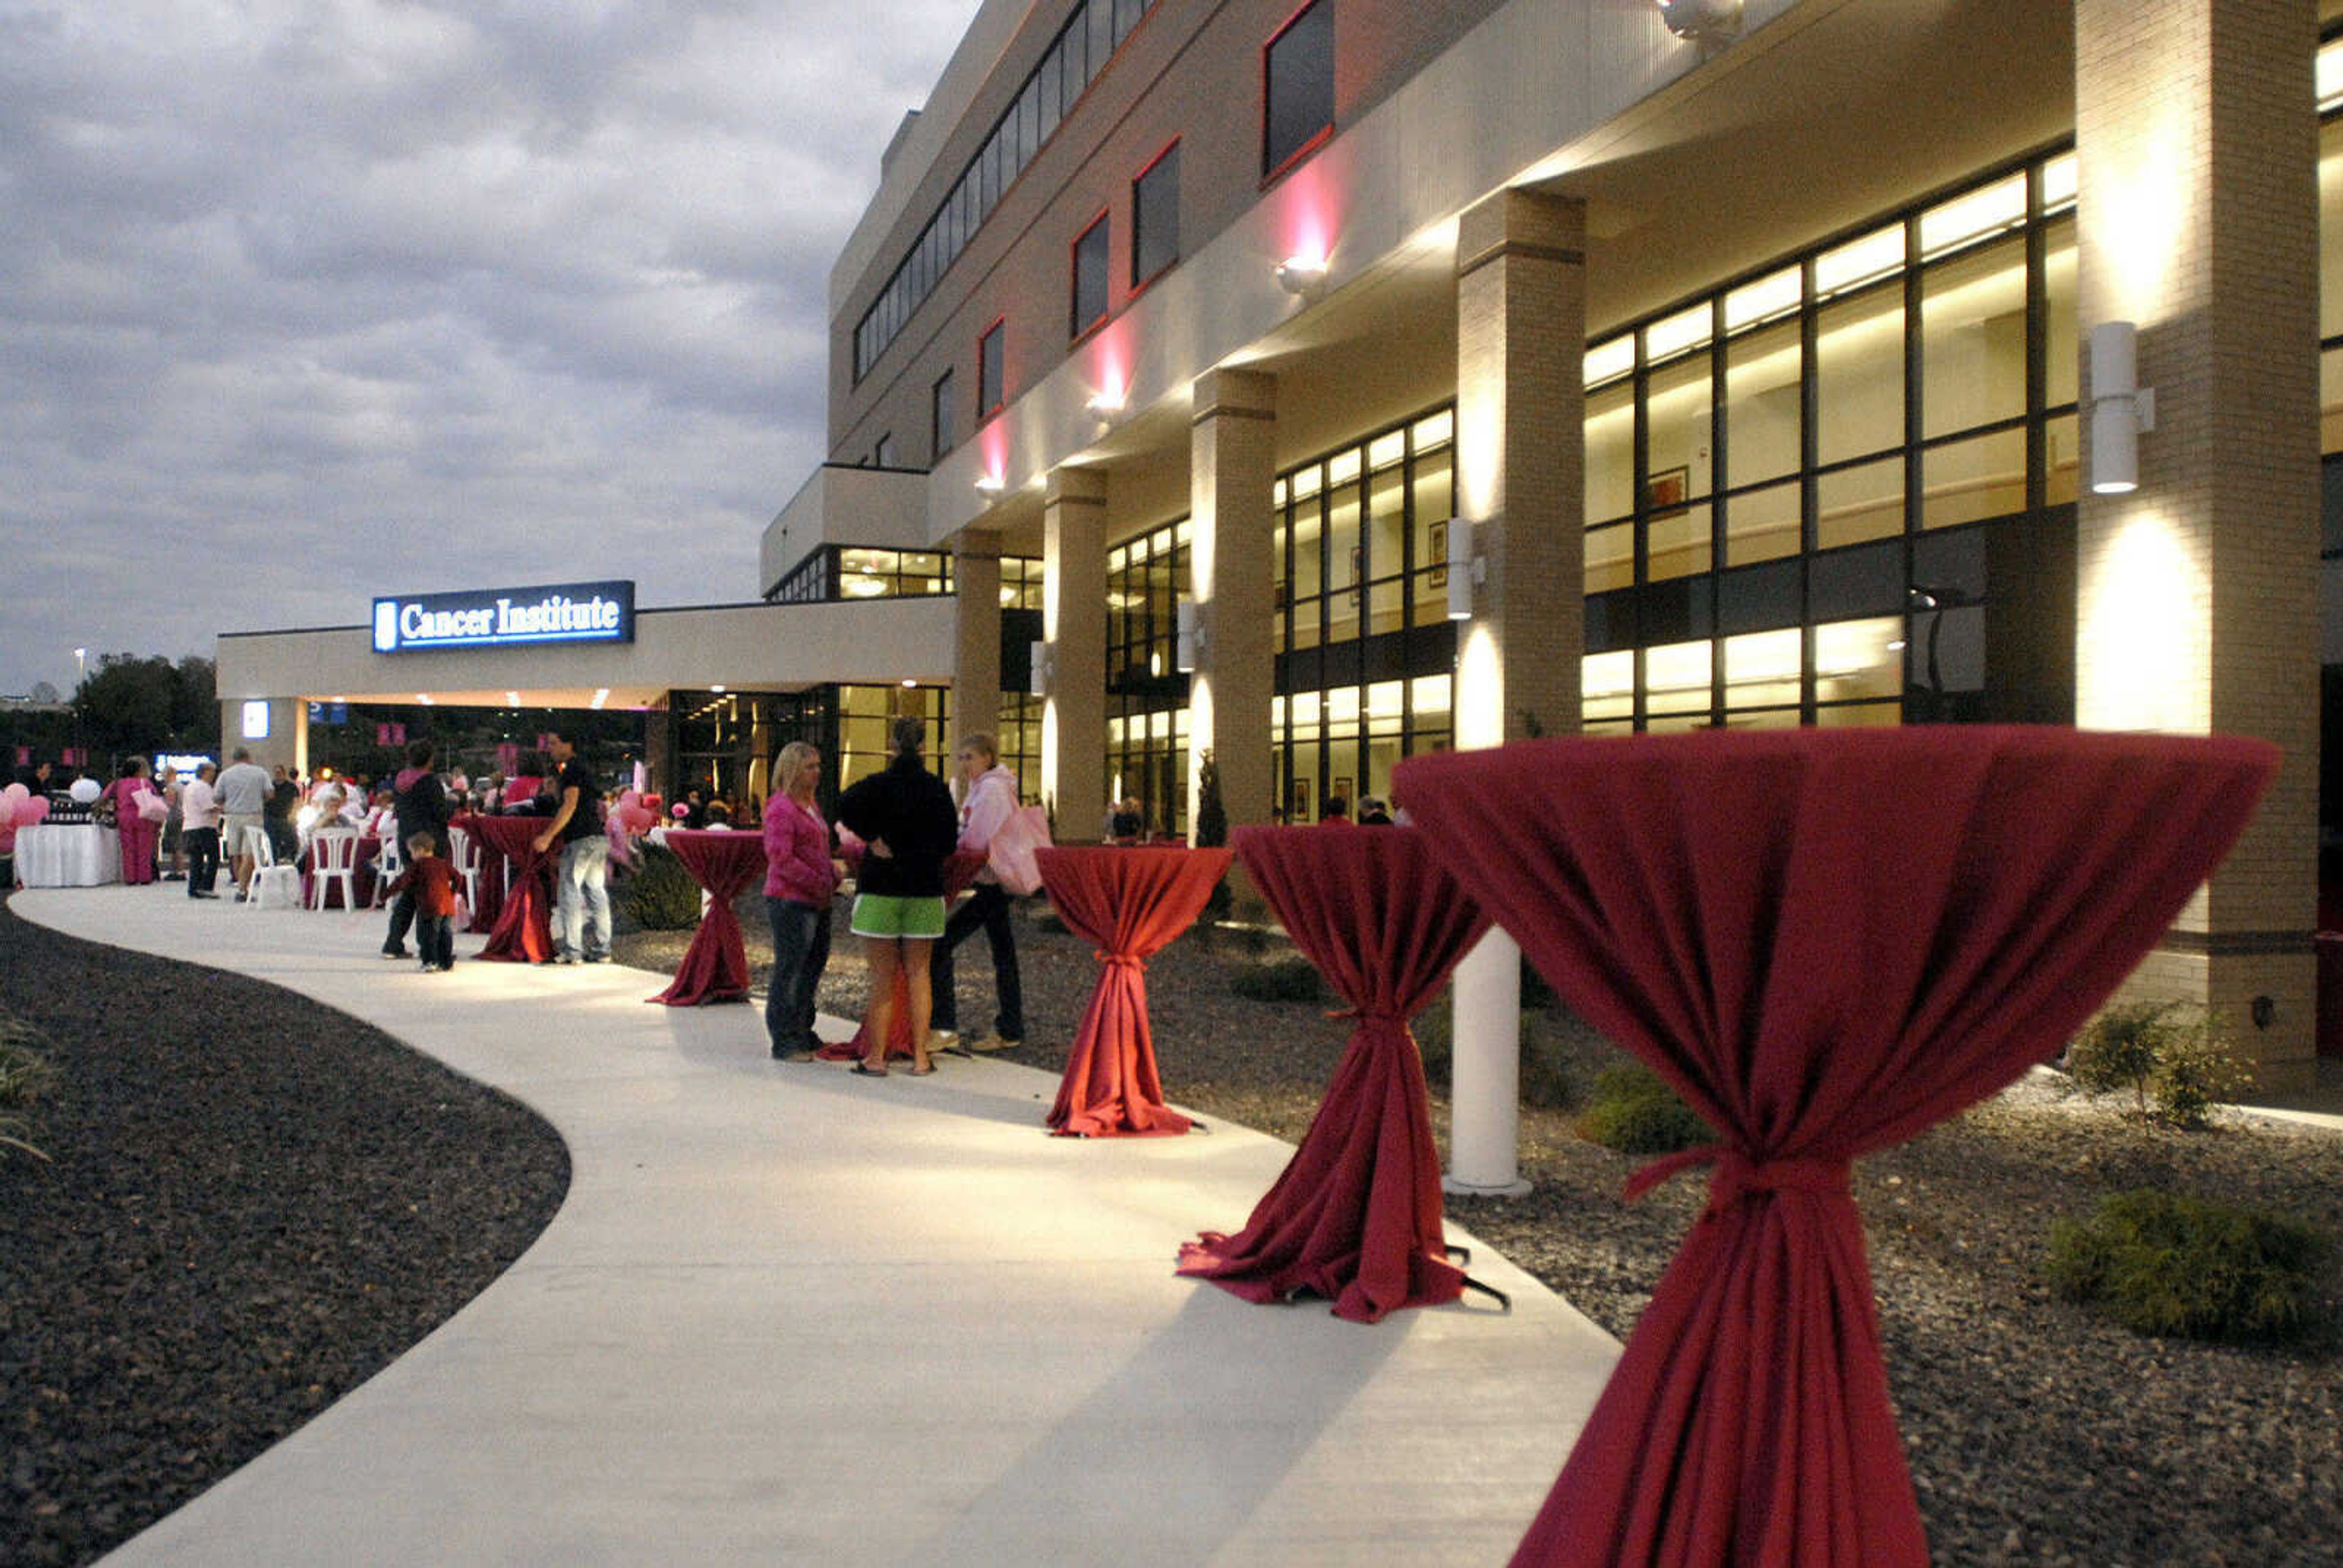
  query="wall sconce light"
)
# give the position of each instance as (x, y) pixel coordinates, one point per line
(991, 485)
(1106, 405)
(1702, 21)
(1190, 642)
(1465, 569)
(1301, 275)
(1039, 684)
(2122, 410)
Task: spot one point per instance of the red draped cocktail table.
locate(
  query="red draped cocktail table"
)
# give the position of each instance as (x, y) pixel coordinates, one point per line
(524, 930)
(1826, 942)
(714, 967)
(1129, 903)
(1356, 1216)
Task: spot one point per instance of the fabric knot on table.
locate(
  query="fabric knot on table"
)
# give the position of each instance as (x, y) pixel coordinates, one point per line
(1736, 1176)
(1119, 961)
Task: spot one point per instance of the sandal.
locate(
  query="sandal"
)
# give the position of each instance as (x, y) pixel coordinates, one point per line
(868, 1072)
(919, 1072)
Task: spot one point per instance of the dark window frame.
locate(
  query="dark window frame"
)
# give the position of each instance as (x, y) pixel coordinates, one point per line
(1077, 325)
(997, 333)
(1139, 279)
(1272, 168)
(940, 414)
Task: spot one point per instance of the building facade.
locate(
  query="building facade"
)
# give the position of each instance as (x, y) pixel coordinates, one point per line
(1742, 379)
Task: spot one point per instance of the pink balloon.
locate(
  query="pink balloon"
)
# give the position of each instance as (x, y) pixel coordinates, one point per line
(17, 793)
(30, 811)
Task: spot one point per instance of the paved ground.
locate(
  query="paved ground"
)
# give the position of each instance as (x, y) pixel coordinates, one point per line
(786, 1314)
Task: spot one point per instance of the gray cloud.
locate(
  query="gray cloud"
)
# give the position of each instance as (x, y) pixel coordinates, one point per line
(300, 303)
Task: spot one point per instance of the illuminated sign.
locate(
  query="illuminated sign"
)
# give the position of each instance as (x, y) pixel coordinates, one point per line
(506, 617)
(255, 720)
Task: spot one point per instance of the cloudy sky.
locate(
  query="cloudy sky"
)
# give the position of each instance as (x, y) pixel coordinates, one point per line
(302, 301)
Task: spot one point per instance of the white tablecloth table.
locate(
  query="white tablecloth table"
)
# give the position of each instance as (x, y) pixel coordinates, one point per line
(75, 855)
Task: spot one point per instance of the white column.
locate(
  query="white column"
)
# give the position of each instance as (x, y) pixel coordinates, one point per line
(1484, 1085)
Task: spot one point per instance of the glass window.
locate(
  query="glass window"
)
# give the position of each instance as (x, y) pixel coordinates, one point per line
(990, 383)
(1610, 558)
(1155, 216)
(883, 453)
(1101, 35)
(1762, 525)
(1611, 452)
(1090, 292)
(2059, 346)
(1298, 76)
(1973, 339)
(1126, 14)
(1677, 678)
(1969, 480)
(1677, 543)
(939, 415)
(1854, 504)
(1859, 375)
(1676, 424)
(1762, 403)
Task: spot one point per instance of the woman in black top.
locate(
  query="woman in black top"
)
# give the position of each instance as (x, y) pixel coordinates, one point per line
(905, 815)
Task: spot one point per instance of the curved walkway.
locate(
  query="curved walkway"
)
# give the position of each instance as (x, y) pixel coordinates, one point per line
(786, 1314)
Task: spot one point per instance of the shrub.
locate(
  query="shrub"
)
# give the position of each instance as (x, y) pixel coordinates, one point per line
(661, 895)
(2167, 1264)
(23, 1077)
(1537, 995)
(1045, 919)
(1292, 979)
(1254, 940)
(1632, 1110)
(2175, 1059)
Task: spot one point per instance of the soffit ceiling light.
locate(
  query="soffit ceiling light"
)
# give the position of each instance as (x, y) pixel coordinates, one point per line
(1702, 21)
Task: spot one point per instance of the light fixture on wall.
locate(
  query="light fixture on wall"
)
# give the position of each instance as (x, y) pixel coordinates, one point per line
(1702, 21)
(1465, 569)
(1106, 405)
(2122, 410)
(1190, 643)
(1038, 683)
(1302, 275)
(990, 485)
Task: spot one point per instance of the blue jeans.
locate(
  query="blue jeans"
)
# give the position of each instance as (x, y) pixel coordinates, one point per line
(583, 888)
(800, 952)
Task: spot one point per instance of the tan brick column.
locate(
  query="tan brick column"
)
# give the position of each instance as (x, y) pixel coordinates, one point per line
(976, 634)
(1074, 625)
(1232, 463)
(2196, 138)
(1521, 344)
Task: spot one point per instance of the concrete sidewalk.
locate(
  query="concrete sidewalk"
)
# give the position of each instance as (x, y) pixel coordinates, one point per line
(790, 1315)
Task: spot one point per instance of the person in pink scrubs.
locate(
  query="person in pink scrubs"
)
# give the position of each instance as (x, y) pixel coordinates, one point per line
(138, 835)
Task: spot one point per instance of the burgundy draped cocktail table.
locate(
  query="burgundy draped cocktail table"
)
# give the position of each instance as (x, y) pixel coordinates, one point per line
(491, 900)
(1129, 903)
(1356, 1216)
(714, 967)
(1826, 942)
(524, 930)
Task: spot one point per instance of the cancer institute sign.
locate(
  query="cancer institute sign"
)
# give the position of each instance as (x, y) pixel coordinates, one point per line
(506, 617)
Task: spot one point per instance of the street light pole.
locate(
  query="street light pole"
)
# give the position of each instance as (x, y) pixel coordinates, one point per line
(81, 674)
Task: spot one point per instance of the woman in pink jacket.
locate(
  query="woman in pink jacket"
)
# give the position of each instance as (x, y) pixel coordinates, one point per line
(800, 878)
(139, 834)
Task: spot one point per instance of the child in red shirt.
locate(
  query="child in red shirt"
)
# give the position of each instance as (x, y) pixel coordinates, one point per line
(432, 879)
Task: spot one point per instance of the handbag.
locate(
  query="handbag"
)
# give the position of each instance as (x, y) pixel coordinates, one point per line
(152, 807)
(1011, 852)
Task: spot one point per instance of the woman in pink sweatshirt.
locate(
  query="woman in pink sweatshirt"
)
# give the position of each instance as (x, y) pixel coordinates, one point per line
(801, 875)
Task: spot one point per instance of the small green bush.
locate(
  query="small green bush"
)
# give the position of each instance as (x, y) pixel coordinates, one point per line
(2166, 1264)
(1545, 1083)
(1632, 1110)
(1293, 979)
(1253, 940)
(2177, 1061)
(661, 895)
(23, 1075)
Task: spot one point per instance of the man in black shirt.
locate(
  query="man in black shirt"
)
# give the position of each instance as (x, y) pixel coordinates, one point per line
(583, 885)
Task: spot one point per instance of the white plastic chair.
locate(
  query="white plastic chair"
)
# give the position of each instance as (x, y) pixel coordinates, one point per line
(464, 851)
(269, 873)
(387, 865)
(334, 858)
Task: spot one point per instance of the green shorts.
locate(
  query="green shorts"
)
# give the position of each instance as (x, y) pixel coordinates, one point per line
(885, 915)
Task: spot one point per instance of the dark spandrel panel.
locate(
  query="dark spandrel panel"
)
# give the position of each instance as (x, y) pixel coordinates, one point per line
(1301, 671)
(1865, 580)
(1954, 559)
(1758, 598)
(1677, 611)
(1610, 621)
(1432, 648)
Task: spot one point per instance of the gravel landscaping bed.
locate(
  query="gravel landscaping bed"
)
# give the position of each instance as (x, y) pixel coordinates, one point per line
(202, 1271)
(252, 1204)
